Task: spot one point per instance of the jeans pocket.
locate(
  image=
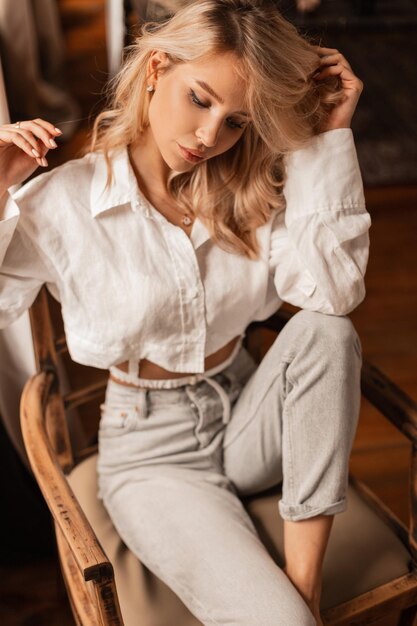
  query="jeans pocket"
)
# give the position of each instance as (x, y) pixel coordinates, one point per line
(122, 412)
(117, 420)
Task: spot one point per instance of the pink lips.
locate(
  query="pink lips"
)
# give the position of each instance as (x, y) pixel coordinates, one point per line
(193, 157)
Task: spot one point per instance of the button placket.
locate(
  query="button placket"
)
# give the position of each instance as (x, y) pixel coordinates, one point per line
(190, 293)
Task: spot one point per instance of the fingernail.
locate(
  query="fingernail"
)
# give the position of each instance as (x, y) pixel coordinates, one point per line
(44, 162)
(52, 143)
(58, 131)
(36, 153)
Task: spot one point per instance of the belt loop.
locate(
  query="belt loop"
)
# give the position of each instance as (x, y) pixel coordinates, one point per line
(133, 367)
(223, 396)
(142, 403)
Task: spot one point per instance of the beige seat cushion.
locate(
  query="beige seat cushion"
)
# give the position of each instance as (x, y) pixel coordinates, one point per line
(362, 554)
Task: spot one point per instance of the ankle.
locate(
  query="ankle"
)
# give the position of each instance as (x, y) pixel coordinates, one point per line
(307, 583)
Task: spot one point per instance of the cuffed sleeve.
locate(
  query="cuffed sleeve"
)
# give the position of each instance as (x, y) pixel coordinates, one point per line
(9, 215)
(320, 243)
(22, 270)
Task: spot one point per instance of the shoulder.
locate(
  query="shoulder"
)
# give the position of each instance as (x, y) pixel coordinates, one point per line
(68, 181)
(63, 196)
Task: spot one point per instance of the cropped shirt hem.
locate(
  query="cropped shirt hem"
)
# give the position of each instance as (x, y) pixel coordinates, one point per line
(173, 383)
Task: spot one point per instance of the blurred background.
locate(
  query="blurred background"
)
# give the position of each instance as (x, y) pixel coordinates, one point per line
(56, 57)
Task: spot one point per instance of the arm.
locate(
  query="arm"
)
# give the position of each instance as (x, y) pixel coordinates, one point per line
(22, 268)
(320, 245)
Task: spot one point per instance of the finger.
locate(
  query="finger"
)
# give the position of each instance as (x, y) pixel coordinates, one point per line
(18, 139)
(345, 74)
(332, 59)
(42, 162)
(48, 126)
(323, 50)
(44, 134)
(29, 137)
(53, 130)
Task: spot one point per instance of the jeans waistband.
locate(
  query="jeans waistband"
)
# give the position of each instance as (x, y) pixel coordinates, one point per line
(174, 383)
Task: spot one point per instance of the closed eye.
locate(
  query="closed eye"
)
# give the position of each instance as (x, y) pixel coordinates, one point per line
(232, 124)
(197, 101)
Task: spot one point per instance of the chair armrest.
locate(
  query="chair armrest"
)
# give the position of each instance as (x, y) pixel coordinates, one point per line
(390, 400)
(62, 503)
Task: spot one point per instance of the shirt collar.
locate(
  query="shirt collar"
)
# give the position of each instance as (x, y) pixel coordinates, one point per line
(103, 198)
(124, 190)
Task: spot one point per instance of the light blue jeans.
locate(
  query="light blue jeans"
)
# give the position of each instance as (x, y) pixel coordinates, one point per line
(171, 468)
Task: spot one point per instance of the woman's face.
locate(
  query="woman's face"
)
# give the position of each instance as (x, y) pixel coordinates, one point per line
(197, 106)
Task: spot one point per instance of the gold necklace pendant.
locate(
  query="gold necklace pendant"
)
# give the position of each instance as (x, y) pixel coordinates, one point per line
(186, 220)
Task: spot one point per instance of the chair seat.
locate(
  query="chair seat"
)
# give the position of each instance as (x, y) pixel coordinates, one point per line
(363, 553)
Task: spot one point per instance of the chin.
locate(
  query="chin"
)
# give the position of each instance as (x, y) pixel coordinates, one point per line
(175, 163)
(180, 166)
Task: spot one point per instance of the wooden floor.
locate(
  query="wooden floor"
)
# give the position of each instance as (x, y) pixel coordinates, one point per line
(386, 321)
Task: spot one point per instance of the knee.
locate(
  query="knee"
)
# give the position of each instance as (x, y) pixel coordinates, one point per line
(336, 332)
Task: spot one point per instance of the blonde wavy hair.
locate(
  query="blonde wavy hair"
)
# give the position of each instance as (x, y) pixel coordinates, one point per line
(235, 192)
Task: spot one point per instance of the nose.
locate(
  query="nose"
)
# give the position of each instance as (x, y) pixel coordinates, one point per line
(209, 134)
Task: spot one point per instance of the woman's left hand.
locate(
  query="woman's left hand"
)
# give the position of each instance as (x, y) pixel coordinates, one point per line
(333, 63)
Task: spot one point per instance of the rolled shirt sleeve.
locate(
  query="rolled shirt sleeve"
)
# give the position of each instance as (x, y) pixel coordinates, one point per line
(320, 243)
(9, 215)
(22, 270)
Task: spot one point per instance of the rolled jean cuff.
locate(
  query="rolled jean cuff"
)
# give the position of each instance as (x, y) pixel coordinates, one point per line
(305, 511)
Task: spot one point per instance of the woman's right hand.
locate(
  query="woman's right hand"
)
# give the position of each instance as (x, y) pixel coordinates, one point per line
(23, 147)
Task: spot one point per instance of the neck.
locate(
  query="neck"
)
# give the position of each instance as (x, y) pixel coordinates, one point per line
(150, 168)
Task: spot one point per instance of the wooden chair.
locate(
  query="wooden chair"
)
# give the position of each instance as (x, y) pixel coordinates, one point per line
(370, 564)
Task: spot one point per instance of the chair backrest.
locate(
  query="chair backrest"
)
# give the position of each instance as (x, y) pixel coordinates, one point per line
(87, 385)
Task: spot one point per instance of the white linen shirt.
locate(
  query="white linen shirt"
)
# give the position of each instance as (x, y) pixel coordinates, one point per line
(132, 285)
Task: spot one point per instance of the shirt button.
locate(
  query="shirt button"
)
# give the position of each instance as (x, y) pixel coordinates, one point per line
(193, 405)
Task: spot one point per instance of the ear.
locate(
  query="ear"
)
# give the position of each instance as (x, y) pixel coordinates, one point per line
(158, 61)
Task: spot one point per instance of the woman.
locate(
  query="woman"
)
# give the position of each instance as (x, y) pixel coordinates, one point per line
(162, 244)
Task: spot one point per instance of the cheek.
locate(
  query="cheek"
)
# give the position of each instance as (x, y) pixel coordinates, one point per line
(168, 113)
(228, 140)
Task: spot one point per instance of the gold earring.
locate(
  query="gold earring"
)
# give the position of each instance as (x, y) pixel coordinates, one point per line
(150, 88)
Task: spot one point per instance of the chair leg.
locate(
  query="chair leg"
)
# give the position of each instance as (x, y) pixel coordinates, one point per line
(408, 616)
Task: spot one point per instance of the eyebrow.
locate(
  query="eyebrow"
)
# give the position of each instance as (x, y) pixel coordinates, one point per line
(211, 91)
